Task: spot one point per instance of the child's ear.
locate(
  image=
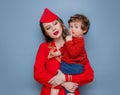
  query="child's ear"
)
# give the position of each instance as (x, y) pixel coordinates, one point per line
(84, 31)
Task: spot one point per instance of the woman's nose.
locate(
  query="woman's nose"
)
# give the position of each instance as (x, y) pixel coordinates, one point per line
(53, 28)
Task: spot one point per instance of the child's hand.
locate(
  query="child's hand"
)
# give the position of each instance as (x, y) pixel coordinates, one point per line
(69, 37)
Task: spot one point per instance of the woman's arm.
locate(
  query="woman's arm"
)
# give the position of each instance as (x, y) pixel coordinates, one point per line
(86, 77)
(57, 79)
(40, 74)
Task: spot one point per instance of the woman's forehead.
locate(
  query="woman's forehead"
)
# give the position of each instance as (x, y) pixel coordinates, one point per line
(49, 23)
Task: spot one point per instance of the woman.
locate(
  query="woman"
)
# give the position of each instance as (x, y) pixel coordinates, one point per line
(45, 69)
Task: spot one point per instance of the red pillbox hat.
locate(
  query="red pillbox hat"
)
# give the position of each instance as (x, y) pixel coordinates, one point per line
(48, 16)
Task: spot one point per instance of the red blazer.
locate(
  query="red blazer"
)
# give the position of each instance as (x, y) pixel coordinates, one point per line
(45, 69)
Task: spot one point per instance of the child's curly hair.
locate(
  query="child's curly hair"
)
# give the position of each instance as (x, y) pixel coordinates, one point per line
(82, 18)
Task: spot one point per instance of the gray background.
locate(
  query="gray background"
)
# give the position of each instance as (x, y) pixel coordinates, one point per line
(20, 37)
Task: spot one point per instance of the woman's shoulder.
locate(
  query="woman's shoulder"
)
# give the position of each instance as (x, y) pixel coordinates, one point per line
(43, 45)
(47, 44)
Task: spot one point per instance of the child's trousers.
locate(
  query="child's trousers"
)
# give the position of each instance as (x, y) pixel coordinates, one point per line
(74, 68)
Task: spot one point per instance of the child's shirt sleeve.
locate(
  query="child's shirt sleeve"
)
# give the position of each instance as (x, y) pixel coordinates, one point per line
(75, 46)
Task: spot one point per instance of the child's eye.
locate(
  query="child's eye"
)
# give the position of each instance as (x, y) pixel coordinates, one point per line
(76, 26)
(71, 26)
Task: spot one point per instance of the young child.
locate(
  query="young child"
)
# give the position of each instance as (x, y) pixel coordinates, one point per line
(73, 53)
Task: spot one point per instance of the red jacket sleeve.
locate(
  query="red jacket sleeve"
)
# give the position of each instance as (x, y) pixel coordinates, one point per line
(40, 74)
(75, 46)
(86, 77)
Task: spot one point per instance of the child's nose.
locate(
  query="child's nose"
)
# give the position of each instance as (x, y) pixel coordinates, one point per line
(72, 31)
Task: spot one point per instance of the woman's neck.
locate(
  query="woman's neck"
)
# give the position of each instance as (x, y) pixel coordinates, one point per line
(59, 42)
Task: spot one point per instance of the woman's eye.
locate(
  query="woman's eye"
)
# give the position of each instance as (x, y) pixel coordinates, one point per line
(47, 28)
(55, 23)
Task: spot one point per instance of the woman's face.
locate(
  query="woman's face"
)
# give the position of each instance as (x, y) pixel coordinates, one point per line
(53, 29)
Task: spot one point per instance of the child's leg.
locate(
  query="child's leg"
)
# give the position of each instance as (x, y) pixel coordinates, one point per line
(68, 92)
(54, 91)
(71, 69)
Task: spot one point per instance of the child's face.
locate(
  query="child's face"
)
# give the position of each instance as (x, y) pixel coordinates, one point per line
(53, 29)
(75, 29)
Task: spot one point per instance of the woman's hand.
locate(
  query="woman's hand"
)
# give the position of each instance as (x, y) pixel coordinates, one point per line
(70, 86)
(57, 79)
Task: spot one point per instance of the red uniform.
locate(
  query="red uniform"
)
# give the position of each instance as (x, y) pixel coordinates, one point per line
(45, 69)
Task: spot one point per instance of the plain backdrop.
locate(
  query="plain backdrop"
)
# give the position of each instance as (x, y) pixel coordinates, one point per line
(20, 37)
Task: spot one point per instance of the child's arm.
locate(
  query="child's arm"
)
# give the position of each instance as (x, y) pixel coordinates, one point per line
(68, 38)
(76, 46)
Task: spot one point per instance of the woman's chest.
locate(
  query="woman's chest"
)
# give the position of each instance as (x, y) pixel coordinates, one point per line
(52, 65)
